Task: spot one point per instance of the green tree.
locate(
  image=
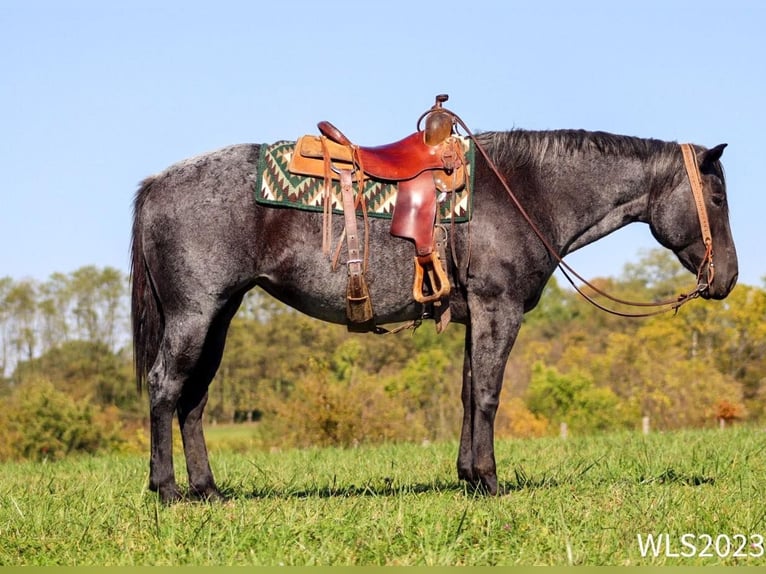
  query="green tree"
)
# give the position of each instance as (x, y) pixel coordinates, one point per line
(87, 372)
(658, 374)
(269, 347)
(658, 272)
(736, 331)
(573, 398)
(428, 386)
(19, 310)
(98, 297)
(53, 302)
(6, 284)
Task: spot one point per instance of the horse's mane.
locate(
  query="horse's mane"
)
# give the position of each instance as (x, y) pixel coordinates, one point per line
(520, 147)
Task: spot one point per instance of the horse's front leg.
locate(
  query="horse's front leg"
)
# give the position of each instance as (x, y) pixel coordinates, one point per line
(465, 454)
(492, 331)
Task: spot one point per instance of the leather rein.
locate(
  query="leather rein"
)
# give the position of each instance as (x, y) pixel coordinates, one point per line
(705, 273)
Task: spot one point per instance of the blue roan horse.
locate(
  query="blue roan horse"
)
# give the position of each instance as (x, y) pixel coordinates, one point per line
(200, 243)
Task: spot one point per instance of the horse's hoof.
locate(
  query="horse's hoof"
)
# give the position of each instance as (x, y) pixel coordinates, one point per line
(209, 494)
(466, 474)
(485, 485)
(489, 484)
(475, 486)
(169, 495)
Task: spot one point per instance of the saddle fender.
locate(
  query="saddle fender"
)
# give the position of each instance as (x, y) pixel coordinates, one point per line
(415, 212)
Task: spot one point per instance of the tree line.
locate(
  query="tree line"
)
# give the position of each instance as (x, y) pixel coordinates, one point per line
(68, 386)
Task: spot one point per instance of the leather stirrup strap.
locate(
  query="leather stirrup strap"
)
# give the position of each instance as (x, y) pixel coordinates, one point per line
(349, 214)
(358, 303)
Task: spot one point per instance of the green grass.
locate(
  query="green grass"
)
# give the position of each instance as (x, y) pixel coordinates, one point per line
(581, 501)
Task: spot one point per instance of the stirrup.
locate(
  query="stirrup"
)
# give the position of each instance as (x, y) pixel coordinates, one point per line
(430, 266)
(359, 305)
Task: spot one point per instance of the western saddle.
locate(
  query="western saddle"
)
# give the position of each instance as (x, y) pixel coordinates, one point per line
(423, 164)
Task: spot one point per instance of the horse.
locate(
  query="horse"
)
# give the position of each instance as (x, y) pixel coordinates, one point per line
(200, 242)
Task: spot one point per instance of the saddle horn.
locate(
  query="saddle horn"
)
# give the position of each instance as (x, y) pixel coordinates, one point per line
(439, 122)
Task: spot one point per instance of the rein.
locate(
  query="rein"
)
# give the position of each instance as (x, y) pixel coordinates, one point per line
(695, 181)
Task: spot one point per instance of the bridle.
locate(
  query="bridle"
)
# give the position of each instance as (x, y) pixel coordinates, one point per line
(695, 180)
(705, 273)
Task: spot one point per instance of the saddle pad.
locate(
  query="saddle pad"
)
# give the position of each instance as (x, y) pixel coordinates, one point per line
(275, 185)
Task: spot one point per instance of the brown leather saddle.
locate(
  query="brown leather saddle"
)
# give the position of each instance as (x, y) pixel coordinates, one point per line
(423, 164)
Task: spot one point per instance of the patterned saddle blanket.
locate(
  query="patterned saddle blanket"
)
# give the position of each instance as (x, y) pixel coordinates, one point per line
(275, 185)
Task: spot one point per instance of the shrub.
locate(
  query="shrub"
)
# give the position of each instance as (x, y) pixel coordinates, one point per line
(515, 420)
(728, 411)
(42, 423)
(338, 406)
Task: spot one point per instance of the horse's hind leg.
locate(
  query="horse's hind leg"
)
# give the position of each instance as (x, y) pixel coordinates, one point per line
(164, 392)
(173, 384)
(192, 403)
(190, 408)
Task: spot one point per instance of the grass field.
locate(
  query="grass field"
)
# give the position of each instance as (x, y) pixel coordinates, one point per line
(580, 501)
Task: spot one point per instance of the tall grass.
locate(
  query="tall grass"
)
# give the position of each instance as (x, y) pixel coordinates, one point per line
(580, 501)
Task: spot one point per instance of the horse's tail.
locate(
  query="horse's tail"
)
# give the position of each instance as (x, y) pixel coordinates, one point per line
(146, 316)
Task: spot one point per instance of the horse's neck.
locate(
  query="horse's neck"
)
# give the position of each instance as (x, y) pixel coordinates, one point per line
(594, 195)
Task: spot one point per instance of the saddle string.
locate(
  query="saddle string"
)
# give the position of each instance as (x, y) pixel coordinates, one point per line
(361, 199)
(326, 201)
(662, 306)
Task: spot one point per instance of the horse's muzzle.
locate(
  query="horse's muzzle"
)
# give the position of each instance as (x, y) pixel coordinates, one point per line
(719, 288)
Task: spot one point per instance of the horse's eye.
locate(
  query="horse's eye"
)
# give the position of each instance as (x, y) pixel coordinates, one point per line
(718, 199)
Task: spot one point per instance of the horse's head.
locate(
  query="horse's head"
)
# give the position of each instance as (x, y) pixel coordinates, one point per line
(676, 224)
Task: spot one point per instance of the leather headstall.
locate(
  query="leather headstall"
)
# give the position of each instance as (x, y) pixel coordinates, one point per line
(695, 181)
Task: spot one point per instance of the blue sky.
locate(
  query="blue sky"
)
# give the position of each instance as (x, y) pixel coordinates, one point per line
(97, 95)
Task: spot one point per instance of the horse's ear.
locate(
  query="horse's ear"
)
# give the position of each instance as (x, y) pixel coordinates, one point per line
(712, 155)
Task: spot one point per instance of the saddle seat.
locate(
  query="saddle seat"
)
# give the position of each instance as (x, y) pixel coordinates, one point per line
(397, 161)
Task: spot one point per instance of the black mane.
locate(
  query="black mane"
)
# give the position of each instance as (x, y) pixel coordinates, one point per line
(519, 147)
